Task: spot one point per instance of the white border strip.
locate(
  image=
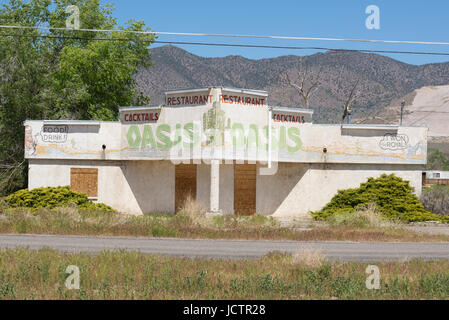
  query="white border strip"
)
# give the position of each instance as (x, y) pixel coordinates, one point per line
(232, 35)
(72, 122)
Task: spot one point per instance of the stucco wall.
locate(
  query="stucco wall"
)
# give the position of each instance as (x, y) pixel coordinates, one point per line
(133, 187)
(297, 189)
(226, 186)
(141, 187)
(171, 138)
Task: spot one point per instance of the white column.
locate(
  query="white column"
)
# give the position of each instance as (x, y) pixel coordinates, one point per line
(215, 186)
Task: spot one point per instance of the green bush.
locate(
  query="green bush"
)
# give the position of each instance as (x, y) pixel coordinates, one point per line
(50, 197)
(392, 196)
(2, 203)
(437, 160)
(436, 199)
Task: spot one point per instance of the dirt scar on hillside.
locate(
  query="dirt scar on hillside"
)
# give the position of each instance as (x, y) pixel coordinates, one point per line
(430, 108)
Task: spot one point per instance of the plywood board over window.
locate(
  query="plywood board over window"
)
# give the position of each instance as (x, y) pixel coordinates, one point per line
(84, 180)
(185, 184)
(245, 189)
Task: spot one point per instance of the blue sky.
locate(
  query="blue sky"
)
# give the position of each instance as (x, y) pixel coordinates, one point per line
(399, 20)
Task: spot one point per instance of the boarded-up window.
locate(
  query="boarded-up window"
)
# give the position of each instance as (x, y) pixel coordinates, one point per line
(245, 189)
(185, 184)
(84, 181)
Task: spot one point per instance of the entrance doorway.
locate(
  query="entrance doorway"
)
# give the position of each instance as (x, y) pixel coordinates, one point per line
(185, 184)
(245, 189)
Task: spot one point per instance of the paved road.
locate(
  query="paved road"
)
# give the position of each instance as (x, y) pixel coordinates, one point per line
(233, 249)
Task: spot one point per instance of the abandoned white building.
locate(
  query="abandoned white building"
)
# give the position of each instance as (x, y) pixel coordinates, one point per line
(225, 147)
(435, 177)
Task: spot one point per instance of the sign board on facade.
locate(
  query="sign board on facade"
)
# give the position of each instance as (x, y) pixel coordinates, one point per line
(54, 134)
(139, 114)
(292, 115)
(205, 97)
(185, 98)
(242, 97)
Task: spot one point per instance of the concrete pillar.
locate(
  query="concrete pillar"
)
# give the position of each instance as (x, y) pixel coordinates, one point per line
(215, 187)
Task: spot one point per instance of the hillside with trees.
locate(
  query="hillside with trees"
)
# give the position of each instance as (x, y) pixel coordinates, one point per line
(381, 79)
(56, 74)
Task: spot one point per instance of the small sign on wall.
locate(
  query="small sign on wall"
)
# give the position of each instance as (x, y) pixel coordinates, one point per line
(140, 115)
(185, 98)
(292, 116)
(54, 134)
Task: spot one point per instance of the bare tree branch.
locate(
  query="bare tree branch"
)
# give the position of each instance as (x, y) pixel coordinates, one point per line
(304, 92)
(349, 102)
(11, 169)
(314, 83)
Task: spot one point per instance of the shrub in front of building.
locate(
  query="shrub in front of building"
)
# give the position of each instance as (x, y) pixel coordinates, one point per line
(393, 197)
(436, 199)
(53, 197)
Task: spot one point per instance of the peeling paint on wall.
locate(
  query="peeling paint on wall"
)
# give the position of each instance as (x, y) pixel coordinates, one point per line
(218, 128)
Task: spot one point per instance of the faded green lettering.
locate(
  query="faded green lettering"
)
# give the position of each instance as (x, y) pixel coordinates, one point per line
(165, 142)
(178, 135)
(147, 137)
(133, 136)
(293, 134)
(238, 135)
(253, 136)
(191, 133)
(278, 143)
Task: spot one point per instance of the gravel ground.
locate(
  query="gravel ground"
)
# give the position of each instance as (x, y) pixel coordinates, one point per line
(422, 227)
(429, 227)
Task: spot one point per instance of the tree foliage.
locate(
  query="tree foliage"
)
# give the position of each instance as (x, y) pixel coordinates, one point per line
(437, 160)
(51, 198)
(59, 74)
(393, 197)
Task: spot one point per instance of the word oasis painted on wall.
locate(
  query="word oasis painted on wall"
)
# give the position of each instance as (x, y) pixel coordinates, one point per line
(164, 137)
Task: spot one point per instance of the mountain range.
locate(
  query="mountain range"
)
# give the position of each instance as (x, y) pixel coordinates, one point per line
(382, 81)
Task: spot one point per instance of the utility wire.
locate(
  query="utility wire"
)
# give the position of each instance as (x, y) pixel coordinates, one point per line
(232, 45)
(232, 35)
(303, 48)
(429, 111)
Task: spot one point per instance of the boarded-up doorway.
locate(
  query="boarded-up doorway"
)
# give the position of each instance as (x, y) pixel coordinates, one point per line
(84, 180)
(245, 189)
(185, 184)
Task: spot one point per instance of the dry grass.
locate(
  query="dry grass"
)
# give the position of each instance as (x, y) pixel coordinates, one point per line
(192, 223)
(194, 210)
(26, 274)
(368, 217)
(308, 258)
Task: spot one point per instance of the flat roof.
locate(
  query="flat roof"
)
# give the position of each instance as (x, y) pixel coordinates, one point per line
(133, 108)
(292, 109)
(242, 90)
(370, 126)
(72, 122)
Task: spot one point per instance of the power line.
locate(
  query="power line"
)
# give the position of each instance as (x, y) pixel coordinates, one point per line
(233, 35)
(303, 48)
(233, 45)
(430, 111)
